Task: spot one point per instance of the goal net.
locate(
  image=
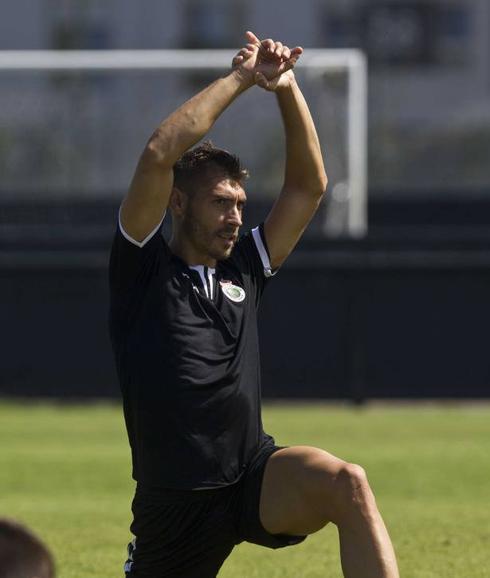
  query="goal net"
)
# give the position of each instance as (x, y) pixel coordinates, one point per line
(73, 123)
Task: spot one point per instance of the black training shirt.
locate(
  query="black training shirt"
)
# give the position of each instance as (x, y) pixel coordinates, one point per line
(187, 356)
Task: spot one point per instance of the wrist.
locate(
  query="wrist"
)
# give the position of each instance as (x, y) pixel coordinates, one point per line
(244, 79)
(286, 83)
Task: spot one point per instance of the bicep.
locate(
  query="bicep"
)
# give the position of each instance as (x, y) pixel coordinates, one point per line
(286, 223)
(145, 204)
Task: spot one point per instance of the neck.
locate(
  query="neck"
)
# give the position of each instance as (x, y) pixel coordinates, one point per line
(180, 246)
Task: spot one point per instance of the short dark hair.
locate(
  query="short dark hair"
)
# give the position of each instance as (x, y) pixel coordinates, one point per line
(197, 162)
(22, 554)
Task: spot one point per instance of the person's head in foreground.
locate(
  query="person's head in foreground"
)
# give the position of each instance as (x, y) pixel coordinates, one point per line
(207, 201)
(22, 554)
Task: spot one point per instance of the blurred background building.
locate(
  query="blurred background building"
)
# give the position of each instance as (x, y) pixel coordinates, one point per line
(405, 311)
(429, 65)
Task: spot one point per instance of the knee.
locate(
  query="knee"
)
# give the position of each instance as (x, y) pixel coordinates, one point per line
(353, 495)
(351, 479)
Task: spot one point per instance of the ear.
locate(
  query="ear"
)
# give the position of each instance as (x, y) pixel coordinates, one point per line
(178, 202)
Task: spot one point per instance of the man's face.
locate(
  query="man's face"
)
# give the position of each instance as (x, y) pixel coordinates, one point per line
(213, 217)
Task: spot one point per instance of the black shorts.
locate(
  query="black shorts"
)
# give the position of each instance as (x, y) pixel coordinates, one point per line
(189, 534)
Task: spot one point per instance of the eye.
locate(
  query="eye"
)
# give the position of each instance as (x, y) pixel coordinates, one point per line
(220, 201)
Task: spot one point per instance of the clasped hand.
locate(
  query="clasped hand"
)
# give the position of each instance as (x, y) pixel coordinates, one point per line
(265, 62)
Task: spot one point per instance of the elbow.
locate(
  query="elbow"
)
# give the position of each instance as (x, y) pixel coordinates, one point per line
(165, 147)
(323, 184)
(311, 186)
(318, 186)
(170, 141)
(155, 153)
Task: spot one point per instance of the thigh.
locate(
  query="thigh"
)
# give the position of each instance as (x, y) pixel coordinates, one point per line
(249, 525)
(298, 489)
(180, 534)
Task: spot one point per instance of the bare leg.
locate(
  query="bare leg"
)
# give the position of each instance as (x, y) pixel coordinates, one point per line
(304, 488)
(365, 546)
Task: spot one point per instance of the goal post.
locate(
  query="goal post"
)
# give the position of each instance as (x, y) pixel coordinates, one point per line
(347, 205)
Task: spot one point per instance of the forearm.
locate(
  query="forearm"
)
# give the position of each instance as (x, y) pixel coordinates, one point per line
(191, 121)
(305, 170)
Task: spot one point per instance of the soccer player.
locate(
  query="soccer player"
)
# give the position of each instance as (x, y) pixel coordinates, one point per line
(184, 331)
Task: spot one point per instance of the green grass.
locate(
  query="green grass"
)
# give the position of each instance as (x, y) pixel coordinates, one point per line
(65, 471)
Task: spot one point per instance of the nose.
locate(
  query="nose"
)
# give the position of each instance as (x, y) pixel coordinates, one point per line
(235, 217)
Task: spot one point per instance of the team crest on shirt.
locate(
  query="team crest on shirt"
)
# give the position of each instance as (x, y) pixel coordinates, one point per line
(233, 292)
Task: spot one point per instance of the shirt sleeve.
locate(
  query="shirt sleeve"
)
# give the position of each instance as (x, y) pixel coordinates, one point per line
(253, 253)
(132, 262)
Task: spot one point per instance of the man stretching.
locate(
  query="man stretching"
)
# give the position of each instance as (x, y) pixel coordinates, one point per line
(184, 331)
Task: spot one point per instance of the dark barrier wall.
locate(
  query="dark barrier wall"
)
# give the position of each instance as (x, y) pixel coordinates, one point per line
(395, 333)
(349, 321)
(55, 341)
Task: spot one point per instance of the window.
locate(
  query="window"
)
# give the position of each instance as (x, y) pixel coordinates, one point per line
(212, 23)
(416, 33)
(80, 25)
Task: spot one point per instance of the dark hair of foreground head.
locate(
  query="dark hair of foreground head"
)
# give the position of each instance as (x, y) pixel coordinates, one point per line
(22, 554)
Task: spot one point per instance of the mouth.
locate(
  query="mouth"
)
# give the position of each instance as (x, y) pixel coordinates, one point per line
(229, 238)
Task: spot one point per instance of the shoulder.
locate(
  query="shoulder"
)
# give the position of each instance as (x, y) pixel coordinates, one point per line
(131, 260)
(251, 257)
(251, 251)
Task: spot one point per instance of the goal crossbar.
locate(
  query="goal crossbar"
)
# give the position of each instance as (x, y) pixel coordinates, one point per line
(157, 59)
(315, 61)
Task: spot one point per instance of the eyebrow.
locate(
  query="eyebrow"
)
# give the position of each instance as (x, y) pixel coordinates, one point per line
(228, 197)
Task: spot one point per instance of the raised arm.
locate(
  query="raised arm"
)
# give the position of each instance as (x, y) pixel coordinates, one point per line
(305, 179)
(148, 196)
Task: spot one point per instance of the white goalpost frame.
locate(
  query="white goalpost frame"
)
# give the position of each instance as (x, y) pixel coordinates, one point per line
(316, 61)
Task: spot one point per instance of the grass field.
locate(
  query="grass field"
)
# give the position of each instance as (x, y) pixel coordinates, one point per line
(65, 471)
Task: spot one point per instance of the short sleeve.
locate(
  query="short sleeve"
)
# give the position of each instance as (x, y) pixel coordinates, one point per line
(132, 261)
(253, 252)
